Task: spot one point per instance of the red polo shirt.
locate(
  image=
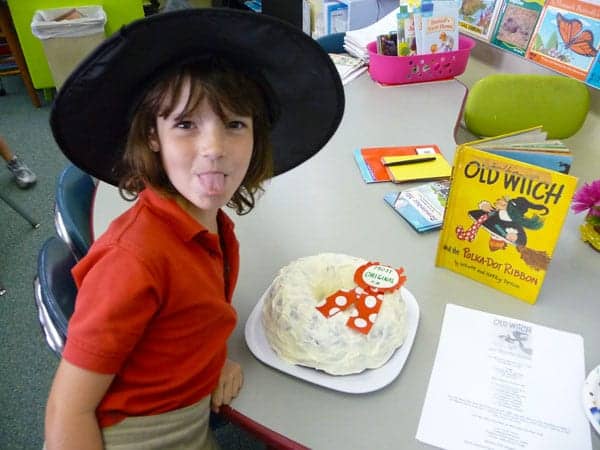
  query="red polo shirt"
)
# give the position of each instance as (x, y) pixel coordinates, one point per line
(154, 308)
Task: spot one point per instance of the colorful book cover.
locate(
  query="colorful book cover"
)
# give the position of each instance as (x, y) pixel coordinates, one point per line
(567, 37)
(439, 29)
(502, 221)
(421, 206)
(478, 17)
(515, 25)
(372, 170)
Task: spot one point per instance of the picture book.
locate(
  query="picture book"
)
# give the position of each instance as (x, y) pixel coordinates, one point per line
(415, 167)
(437, 31)
(478, 17)
(502, 221)
(372, 170)
(567, 37)
(529, 146)
(515, 25)
(421, 206)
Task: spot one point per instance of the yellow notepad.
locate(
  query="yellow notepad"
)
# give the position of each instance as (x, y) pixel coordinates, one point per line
(417, 167)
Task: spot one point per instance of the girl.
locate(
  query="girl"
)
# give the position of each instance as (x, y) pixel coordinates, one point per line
(146, 358)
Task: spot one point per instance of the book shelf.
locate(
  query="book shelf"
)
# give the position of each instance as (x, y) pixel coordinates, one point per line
(510, 62)
(558, 35)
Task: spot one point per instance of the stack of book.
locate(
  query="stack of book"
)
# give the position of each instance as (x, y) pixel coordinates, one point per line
(349, 67)
(423, 206)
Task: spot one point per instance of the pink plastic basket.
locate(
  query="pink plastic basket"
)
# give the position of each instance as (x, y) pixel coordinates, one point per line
(419, 68)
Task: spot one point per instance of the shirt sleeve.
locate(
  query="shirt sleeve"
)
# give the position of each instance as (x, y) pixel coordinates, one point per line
(117, 298)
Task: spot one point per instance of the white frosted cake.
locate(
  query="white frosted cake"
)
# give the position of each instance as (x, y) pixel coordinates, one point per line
(300, 334)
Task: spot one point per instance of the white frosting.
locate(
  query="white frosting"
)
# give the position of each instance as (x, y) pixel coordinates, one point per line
(300, 334)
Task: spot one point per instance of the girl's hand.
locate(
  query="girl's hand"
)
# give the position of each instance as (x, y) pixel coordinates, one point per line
(230, 383)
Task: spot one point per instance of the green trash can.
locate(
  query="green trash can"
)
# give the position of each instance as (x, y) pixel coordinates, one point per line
(68, 35)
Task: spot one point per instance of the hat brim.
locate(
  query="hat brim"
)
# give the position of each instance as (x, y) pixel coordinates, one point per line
(90, 117)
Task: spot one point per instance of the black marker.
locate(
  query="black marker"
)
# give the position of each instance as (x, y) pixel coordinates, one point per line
(410, 161)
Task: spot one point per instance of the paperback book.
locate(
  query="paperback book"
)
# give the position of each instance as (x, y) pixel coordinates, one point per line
(478, 17)
(421, 206)
(515, 25)
(370, 164)
(567, 37)
(502, 221)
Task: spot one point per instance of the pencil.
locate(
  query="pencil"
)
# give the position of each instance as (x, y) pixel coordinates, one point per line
(410, 161)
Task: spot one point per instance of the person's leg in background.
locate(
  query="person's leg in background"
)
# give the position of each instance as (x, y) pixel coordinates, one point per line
(24, 176)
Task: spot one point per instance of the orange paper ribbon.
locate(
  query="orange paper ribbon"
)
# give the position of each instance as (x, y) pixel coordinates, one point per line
(373, 280)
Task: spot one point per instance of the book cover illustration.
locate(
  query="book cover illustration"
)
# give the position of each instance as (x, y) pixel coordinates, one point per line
(567, 37)
(421, 206)
(372, 170)
(477, 17)
(515, 25)
(437, 31)
(502, 221)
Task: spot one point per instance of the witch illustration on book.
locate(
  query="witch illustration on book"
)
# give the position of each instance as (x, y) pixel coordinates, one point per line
(506, 221)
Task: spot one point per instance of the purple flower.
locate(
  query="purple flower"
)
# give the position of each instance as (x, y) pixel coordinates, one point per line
(587, 198)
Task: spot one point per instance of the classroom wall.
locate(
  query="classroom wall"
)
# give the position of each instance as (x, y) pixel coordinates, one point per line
(585, 144)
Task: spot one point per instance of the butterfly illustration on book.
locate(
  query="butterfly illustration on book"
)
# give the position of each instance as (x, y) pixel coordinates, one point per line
(575, 38)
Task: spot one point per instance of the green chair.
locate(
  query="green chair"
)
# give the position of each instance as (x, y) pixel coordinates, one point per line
(502, 103)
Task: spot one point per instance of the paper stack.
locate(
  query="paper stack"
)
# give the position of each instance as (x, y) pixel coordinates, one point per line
(349, 67)
(355, 41)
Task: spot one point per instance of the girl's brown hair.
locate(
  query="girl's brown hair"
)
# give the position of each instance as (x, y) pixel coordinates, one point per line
(225, 88)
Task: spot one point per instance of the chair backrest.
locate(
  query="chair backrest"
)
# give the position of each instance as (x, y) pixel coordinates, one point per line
(501, 103)
(74, 196)
(332, 43)
(55, 291)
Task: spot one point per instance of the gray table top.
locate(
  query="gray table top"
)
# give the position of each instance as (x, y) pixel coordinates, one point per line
(323, 206)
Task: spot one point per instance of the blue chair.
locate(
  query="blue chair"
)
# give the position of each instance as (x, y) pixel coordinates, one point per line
(72, 212)
(55, 291)
(332, 43)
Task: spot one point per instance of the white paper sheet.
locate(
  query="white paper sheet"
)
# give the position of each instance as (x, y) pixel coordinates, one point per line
(355, 41)
(502, 383)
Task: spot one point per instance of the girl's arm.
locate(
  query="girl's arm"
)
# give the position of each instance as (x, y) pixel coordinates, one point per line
(71, 411)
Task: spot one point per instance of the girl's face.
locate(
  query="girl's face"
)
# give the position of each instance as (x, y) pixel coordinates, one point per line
(204, 157)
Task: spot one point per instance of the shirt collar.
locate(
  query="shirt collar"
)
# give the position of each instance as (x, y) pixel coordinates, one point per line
(184, 225)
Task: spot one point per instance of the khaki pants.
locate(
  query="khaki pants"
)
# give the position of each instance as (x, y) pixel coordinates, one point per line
(185, 429)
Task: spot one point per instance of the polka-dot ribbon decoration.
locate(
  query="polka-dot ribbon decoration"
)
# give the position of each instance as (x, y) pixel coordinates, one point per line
(373, 280)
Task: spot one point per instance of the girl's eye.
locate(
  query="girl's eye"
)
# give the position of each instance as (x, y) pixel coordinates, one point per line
(184, 124)
(236, 124)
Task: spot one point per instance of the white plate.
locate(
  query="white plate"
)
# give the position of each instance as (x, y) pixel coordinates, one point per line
(366, 381)
(591, 398)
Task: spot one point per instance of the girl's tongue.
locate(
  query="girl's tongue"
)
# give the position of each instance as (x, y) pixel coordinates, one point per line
(212, 182)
